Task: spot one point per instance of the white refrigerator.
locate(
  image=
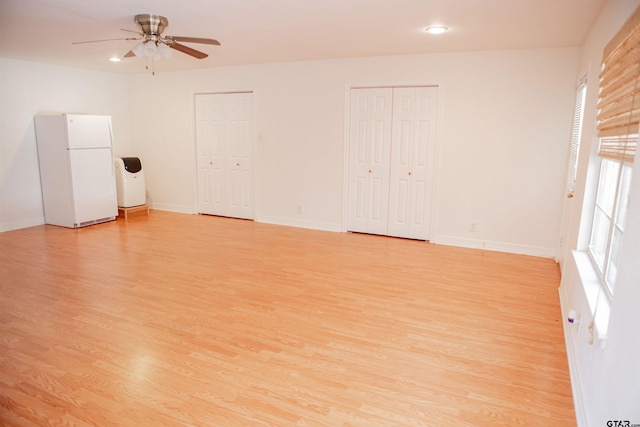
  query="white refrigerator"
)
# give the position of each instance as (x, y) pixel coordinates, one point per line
(76, 169)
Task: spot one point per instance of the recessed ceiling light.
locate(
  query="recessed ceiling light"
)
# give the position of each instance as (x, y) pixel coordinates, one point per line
(436, 29)
(114, 59)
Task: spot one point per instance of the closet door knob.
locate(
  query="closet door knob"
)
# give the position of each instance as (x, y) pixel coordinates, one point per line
(409, 173)
(369, 170)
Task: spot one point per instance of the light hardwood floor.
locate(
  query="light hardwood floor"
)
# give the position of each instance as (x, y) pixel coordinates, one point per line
(187, 320)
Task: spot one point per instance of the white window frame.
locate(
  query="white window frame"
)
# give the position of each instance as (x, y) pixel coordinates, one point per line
(610, 211)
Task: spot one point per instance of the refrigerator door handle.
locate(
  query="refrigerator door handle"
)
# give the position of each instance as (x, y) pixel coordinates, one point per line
(113, 166)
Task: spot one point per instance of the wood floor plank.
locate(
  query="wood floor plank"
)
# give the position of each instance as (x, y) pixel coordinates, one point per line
(188, 320)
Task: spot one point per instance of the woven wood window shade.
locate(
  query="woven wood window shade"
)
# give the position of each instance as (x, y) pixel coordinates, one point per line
(619, 103)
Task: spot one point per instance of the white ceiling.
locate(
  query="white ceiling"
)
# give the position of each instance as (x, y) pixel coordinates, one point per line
(261, 31)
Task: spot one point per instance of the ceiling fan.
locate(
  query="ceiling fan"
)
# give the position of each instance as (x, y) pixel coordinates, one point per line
(153, 44)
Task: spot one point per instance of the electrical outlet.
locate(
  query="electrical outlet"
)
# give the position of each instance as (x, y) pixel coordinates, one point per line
(473, 227)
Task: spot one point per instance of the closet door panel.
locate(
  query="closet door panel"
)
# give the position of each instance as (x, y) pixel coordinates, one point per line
(370, 145)
(224, 154)
(239, 163)
(423, 162)
(402, 152)
(210, 153)
(411, 162)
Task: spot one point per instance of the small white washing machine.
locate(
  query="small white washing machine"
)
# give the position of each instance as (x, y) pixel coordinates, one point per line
(130, 186)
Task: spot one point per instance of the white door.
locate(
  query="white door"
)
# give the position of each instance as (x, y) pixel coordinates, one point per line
(224, 154)
(87, 131)
(369, 154)
(94, 184)
(391, 142)
(239, 160)
(413, 136)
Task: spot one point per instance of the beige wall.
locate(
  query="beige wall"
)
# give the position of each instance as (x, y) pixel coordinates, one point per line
(504, 121)
(28, 88)
(501, 143)
(605, 375)
(502, 139)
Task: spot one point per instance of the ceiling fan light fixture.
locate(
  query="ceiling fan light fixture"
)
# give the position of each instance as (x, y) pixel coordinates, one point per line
(436, 29)
(138, 49)
(164, 51)
(150, 48)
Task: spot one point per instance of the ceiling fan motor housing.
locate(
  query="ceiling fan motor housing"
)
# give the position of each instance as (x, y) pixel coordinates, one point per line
(152, 25)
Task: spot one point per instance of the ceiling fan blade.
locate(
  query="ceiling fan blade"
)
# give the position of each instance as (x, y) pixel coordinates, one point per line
(186, 49)
(131, 31)
(107, 40)
(129, 54)
(193, 40)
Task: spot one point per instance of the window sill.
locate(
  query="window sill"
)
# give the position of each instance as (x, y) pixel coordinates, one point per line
(597, 297)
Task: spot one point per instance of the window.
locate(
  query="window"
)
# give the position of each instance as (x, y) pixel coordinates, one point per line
(576, 128)
(609, 218)
(618, 119)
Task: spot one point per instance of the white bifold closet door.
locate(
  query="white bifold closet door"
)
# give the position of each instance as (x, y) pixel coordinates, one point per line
(392, 135)
(224, 154)
(369, 148)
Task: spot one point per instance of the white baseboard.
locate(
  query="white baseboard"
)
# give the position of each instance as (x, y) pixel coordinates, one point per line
(489, 245)
(314, 225)
(15, 225)
(576, 387)
(301, 223)
(23, 223)
(172, 208)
